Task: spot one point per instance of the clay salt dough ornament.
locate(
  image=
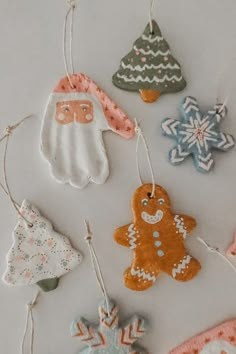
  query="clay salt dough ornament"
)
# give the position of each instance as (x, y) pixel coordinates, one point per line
(109, 336)
(71, 139)
(197, 134)
(39, 255)
(156, 237)
(149, 68)
(219, 340)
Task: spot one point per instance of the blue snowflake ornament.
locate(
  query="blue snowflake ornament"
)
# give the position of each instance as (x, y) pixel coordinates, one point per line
(108, 337)
(197, 134)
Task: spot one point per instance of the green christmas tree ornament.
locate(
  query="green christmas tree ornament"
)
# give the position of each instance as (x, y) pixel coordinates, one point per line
(150, 68)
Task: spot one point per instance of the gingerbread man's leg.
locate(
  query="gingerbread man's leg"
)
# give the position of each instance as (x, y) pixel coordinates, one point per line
(182, 266)
(142, 274)
(126, 236)
(184, 224)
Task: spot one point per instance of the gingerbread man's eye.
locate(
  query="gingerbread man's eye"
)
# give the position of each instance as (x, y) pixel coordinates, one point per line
(161, 201)
(66, 109)
(145, 202)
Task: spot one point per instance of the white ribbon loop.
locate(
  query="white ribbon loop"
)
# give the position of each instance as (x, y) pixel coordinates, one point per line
(139, 133)
(8, 131)
(96, 266)
(226, 84)
(69, 67)
(151, 15)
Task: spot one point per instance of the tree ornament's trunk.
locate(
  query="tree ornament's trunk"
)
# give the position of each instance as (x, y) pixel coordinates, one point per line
(149, 96)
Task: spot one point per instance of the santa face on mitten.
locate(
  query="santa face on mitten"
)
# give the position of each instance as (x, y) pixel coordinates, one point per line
(71, 139)
(79, 111)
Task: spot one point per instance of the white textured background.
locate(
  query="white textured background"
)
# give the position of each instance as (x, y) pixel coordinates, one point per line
(202, 36)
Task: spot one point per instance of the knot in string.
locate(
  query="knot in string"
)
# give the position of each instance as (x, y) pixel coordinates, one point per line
(9, 130)
(31, 305)
(30, 318)
(209, 247)
(88, 238)
(217, 251)
(71, 3)
(137, 128)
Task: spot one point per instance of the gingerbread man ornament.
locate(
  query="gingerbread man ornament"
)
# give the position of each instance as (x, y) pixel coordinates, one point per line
(156, 237)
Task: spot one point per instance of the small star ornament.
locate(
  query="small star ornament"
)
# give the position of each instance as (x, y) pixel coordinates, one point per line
(110, 337)
(197, 134)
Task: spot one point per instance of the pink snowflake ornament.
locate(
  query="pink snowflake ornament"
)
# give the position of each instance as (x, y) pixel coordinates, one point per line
(71, 139)
(109, 336)
(39, 255)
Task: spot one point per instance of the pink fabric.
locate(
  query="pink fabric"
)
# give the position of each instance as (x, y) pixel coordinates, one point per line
(224, 332)
(116, 118)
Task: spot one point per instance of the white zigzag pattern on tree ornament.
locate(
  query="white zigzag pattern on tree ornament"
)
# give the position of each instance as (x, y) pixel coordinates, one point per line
(148, 67)
(152, 40)
(155, 54)
(146, 79)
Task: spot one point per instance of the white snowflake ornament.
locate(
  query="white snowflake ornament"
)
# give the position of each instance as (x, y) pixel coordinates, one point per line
(39, 255)
(108, 337)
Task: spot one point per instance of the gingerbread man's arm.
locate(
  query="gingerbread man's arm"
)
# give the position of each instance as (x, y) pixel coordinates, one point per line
(126, 236)
(184, 224)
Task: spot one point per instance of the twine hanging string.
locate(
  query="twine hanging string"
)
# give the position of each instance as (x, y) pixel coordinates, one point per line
(227, 67)
(140, 135)
(150, 15)
(6, 189)
(69, 67)
(30, 321)
(216, 251)
(96, 266)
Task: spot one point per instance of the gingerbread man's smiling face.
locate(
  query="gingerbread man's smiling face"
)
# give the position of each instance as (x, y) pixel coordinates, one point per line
(148, 209)
(78, 111)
